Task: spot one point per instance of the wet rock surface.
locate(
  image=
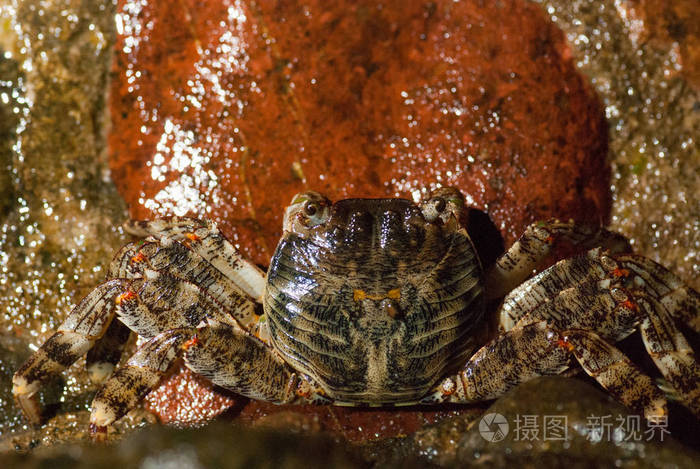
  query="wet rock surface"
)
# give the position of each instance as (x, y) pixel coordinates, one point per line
(547, 422)
(217, 445)
(592, 431)
(653, 114)
(256, 101)
(60, 212)
(58, 221)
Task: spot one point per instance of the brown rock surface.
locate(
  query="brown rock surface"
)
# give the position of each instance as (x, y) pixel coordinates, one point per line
(247, 104)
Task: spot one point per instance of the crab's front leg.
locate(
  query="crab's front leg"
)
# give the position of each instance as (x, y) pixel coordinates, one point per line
(207, 242)
(164, 283)
(228, 346)
(230, 357)
(536, 350)
(85, 324)
(536, 243)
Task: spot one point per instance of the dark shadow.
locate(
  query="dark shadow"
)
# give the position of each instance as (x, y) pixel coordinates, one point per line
(485, 236)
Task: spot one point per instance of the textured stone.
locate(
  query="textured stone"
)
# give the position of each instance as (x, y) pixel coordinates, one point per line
(595, 431)
(59, 225)
(253, 102)
(217, 445)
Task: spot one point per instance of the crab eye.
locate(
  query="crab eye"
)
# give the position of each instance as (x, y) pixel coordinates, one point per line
(307, 210)
(315, 212)
(443, 204)
(439, 204)
(311, 208)
(433, 208)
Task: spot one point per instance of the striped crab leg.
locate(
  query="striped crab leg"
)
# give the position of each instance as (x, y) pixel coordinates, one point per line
(536, 243)
(537, 350)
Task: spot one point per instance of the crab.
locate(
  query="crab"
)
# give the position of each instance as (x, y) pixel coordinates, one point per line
(372, 302)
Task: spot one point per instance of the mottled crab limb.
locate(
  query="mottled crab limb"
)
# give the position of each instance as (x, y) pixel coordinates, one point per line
(140, 374)
(671, 354)
(680, 300)
(614, 294)
(161, 284)
(536, 350)
(512, 358)
(583, 292)
(205, 239)
(231, 358)
(535, 244)
(242, 363)
(160, 301)
(615, 372)
(177, 267)
(87, 322)
(167, 270)
(104, 356)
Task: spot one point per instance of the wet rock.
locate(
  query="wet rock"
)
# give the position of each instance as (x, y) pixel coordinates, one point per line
(57, 235)
(13, 352)
(653, 118)
(547, 422)
(668, 25)
(216, 445)
(256, 101)
(61, 215)
(185, 398)
(9, 119)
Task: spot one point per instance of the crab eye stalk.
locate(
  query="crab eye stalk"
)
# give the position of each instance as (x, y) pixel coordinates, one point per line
(443, 204)
(307, 210)
(433, 208)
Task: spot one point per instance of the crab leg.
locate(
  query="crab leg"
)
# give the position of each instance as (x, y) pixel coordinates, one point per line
(536, 243)
(574, 293)
(671, 353)
(205, 239)
(104, 356)
(174, 259)
(231, 358)
(614, 295)
(535, 350)
(125, 388)
(86, 323)
(678, 299)
(148, 301)
(595, 283)
(238, 361)
(615, 372)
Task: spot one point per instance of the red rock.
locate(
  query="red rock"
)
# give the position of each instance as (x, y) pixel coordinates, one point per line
(226, 109)
(185, 398)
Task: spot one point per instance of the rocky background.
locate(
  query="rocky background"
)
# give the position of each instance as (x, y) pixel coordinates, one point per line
(584, 109)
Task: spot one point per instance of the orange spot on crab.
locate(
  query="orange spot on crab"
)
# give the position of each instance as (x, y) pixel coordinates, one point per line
(126, 296)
